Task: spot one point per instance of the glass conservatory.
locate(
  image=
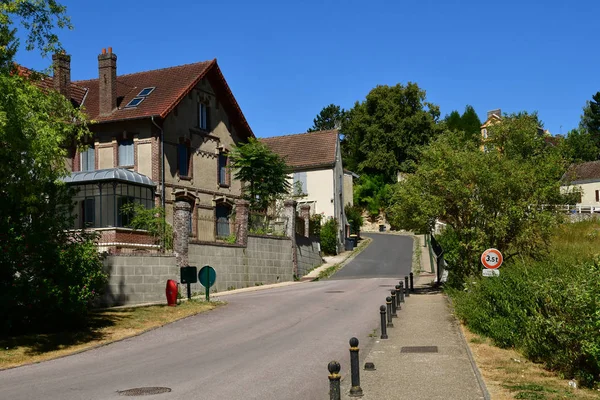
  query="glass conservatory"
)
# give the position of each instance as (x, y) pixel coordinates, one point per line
(100, 196)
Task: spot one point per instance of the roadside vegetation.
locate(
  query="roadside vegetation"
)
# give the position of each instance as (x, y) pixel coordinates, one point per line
(104, 326)
(548, 309)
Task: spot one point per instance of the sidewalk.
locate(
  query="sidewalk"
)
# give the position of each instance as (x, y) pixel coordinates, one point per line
(425, 320)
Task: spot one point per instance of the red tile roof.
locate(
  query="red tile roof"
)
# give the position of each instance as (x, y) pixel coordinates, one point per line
(306, 150)
(172, 85)
(47, 82)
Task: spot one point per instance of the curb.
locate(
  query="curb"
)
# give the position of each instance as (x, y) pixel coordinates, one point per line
(476, 371)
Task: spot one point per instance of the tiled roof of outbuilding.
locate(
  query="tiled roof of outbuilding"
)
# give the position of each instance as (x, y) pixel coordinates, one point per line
(306, 150)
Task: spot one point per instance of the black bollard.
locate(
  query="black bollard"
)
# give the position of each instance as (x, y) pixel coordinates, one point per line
(398, 294)
(412, 287)
(334, 380)
(383, 328)
(388, 303)
(355, 390)
(401, 292)
(394, 315)
(406, 287)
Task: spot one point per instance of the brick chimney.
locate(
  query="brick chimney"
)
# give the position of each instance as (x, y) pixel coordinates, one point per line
(62, 74)
(107, 81)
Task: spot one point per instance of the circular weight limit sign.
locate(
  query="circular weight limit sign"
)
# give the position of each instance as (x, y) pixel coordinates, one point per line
(491, 258)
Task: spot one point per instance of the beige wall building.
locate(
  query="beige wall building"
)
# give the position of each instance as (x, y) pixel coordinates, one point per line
(318, 176)
(585, 179)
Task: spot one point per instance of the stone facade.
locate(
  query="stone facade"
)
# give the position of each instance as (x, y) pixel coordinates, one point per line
(181, 223)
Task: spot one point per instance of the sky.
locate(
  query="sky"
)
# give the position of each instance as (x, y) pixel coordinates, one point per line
(285, 61)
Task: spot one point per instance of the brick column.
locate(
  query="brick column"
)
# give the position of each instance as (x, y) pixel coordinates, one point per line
(181, 227)
(290, 213)
(242, 209)
(305, 215)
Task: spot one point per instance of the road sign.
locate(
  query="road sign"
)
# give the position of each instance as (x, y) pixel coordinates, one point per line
(491, 272)
(207, 277)
(491, 258)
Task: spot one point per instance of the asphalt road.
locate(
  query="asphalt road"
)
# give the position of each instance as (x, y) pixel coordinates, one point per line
(270, 344)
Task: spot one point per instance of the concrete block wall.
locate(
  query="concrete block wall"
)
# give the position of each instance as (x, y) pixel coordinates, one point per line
(265, 260)
(137, 279)
(308, 254)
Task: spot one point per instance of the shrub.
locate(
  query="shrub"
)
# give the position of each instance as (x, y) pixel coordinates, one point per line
(314, 225)
(548, 308)
(329, 236)
(355, 219)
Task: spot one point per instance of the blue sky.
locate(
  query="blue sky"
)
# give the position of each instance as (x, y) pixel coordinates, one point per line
(285, 61)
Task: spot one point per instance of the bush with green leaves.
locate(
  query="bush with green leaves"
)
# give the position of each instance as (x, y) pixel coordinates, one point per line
(151, 220)
(355, 218)
(329, 236)
(546, 308)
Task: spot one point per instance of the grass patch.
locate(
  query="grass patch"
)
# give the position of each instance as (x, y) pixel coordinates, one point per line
(105, 326)
(508, 375)
(327, 272)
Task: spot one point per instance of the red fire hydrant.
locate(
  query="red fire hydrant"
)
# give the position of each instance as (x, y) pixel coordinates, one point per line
(171, 292)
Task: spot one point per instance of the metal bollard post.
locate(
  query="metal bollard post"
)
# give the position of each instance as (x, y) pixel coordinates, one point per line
(355, 390)
(383, 328)
(402, 291)
(398, 294)
(412, 287)
(406, 293)
(394, 315)
(388, 303)
(334, 380)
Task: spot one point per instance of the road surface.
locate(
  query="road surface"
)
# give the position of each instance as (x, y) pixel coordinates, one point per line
(269, 344)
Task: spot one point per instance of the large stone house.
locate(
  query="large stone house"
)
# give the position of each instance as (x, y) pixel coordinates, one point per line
(159, 136)
(317, 174)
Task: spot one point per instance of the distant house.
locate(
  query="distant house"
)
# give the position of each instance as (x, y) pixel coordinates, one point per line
(159, 136)
(349, 178)
(318, 176)
(584, 178)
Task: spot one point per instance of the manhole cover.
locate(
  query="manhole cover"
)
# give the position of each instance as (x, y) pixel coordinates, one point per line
(334, 291)
(143, 391)
(419, 349)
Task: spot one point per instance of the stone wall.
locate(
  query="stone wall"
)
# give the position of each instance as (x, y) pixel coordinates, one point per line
(264, 260)
(138, 279)
(309, 254)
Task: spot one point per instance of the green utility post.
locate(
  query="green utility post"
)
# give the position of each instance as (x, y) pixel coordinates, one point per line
(207, 277)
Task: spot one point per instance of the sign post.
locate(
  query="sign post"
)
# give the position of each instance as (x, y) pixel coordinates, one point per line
(188, 276)
(207, 277)
(492, 260)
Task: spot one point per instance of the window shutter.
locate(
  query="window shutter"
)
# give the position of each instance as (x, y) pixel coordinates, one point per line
(125, 153)
(597, 195)
(182, 159)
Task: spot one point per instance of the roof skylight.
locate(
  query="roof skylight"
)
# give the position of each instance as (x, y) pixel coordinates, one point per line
(146, 91)
(135, 102)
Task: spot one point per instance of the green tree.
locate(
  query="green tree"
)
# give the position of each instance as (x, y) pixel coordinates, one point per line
(453, 121)
(468, 122)
(330, 117)
(265, 172)
(579, 146)
(354, 216)
(590, 120)
(39, 18)
(371, 193)
(39, 286)
(487, 198)
(384, 133)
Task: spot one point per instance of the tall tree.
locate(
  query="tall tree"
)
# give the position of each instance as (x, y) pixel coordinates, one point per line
(48, 276)
(39, 18)
(453, 121)
(265, 171)
(579, 146)
(487, 199)
(330, 117)
(590, 120)
(383, 134)
(468, 122)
